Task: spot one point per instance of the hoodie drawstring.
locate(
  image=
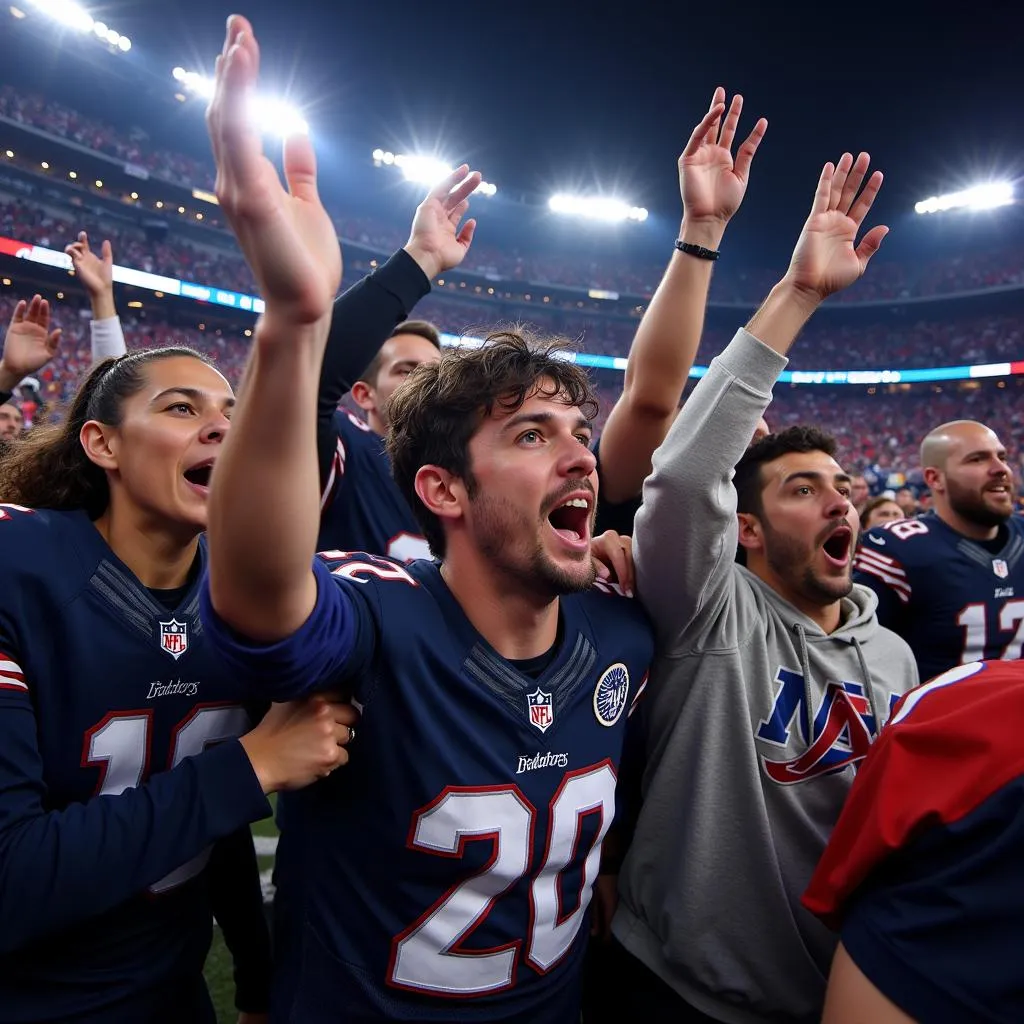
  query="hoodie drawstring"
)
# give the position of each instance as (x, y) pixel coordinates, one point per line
(869, 690)
(805, 667)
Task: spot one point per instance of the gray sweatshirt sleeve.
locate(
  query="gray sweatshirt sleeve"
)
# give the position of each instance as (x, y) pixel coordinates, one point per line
(684, 537)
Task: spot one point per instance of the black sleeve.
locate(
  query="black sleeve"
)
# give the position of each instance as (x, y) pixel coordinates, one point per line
(617, 516)
(363, 318)
(5, 397)
(237, 899)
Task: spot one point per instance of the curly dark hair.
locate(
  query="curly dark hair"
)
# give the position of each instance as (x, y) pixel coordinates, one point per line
(435, 413)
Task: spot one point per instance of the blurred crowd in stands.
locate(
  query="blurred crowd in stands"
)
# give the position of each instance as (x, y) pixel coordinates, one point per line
(878, 433)
(1000, 266)
(910, 341)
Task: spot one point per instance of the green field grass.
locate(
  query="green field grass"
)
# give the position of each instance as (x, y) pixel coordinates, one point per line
(218, 963)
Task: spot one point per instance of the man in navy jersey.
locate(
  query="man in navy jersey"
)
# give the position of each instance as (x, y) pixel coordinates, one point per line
(361, 508)
(452, 868)
(922, 874)
(951, 581)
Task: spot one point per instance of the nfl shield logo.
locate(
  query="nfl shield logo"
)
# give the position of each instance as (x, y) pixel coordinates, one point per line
(1000, 568)
(174, 638)
(542, 710)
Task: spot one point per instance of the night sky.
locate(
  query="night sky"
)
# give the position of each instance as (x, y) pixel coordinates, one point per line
(562, 96)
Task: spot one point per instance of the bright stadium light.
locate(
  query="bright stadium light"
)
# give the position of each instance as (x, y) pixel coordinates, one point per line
(273, 116)
(423, 170)
(73, 15)
(980, 197)
(596, 208)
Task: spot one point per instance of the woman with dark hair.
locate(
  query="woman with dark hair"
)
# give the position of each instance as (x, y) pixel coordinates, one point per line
(121, 764)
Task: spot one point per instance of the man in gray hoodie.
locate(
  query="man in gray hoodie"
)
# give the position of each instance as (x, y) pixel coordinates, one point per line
(772, 677)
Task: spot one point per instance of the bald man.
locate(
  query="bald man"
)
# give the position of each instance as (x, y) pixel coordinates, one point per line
(951, 581)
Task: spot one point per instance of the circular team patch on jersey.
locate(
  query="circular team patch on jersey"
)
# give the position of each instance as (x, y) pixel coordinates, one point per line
(610, 694)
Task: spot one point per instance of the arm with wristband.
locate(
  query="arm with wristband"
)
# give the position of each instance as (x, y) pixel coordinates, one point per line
(97, 274)
(712, 185)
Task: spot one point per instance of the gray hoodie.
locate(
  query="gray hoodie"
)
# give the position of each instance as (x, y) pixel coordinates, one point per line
(738, 802)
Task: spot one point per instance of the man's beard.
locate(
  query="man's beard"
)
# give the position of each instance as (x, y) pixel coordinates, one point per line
(971, 506)
(785, 554)
(501, 528)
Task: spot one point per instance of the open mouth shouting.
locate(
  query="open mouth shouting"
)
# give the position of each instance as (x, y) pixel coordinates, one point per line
(198, 477)
(837, 546)
(570, 520)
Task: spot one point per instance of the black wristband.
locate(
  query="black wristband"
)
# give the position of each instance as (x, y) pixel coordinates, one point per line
(697, 250)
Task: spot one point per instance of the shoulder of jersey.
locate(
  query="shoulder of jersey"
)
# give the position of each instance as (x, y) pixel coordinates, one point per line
(901, 538)
(608, 599)
(346, 422)
(23, 529)
(362, 567)
(33, 539)
(982, 699)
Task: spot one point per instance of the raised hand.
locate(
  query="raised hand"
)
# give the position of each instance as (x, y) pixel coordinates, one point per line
(287, 237)
(436, 242)
(711, 183)
(30, 343)
(95, 272)
(825, 259)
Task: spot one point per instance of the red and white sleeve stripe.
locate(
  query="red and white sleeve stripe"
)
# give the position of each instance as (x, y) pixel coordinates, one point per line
(636, 696)
(11, 675)
(336, 473)
(884, 568)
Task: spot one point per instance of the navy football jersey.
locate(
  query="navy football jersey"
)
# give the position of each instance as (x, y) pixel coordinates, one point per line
(105, 913)
(923, 872)
(953, 599)
(452, 859)
(361, 506)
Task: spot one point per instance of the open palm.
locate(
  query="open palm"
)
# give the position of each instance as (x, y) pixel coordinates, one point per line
(287, 237)
(826, 258)
(29, 344)
(436, 241)
(711, 182)
(95, 272)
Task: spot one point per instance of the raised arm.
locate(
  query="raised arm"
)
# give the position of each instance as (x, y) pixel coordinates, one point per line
(97, 274)
(264, 502)
(29, 344)
(366, 314)
(684, 542)
(712, 186)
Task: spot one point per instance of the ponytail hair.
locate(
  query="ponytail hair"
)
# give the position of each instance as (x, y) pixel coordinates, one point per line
(49, 468)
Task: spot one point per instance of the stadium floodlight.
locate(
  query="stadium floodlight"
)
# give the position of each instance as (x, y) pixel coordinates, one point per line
(980, 197)
(596, 208)
(424, 170)
(73, 15)
(275, 117)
